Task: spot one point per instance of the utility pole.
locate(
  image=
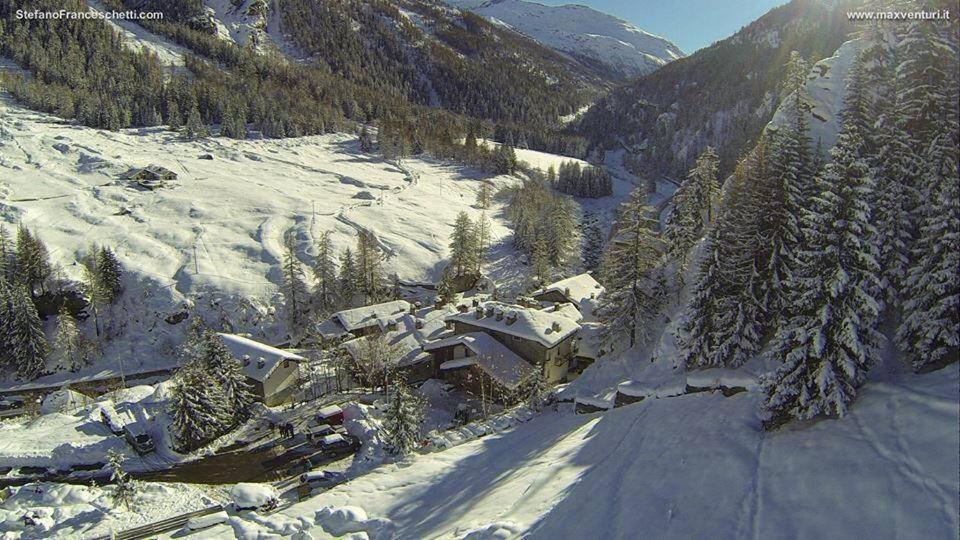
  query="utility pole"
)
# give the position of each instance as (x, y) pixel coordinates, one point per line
(196, 266)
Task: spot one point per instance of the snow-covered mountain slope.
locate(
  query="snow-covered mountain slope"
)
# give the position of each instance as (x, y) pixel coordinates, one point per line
(826, 86)
(694, 466)
(216, 234)
(581, 32)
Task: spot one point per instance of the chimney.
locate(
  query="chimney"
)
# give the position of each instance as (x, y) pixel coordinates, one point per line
(476, 302)
(479, 312)
(566, 292)
(489, 311)
(511, 318)
(555, 326)
(413, 309)
(462, 308)
(260, 363)
(418, 323)
(499, 314)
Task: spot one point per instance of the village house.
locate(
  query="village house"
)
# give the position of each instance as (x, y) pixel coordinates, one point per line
(578, 290)
(150, 177)
(481, 365)
(364, 321)
(273, 373)
(544, 339)
(406, 339)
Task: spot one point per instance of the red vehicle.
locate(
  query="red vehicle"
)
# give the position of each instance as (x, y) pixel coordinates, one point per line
(331, 414)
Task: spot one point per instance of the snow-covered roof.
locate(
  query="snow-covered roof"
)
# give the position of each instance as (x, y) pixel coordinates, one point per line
(567, 309)
(332, 439)
(495, 359)
(576, 289)
(366, 316)
(406, 342)
(331, 329)
(544, 327)
(329, 410)
(258, 359)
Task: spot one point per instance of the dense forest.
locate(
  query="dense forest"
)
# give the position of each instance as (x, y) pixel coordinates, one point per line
(463, 71)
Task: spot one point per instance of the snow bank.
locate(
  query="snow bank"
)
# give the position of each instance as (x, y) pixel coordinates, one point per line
(247, 496)
(63, 401)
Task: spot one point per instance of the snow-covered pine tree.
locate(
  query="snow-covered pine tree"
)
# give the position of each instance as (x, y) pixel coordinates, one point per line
(33, 262)
(537, 387)
(830, 341)
(632, 272)
(540, 260)
(462, 246)
(560, 232)
(196, 407)
(591, 252)
(195, 129)
(294, 286)
(124, 488)
(694, 206)
(372, 279)
(7, 256)
(926, 69)
(402, 420)
(109, 273)
(928, 334)
(348, 278)
(67, 343)
(722, 324)
(324, 275)
(228, 374)
(897, 171)
(7, 360)
(28, 342)
(366, 141)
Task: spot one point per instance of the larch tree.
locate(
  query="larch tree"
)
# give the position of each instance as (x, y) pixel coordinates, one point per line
(481, 240)
(347, 279)
(325, 275)
(463, 248)
(694, 206)
(294, 286)
(371, 277)
(632, 274)
(68, 342)
(124, 487)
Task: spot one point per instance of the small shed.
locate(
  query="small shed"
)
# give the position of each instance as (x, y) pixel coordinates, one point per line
(331, 415)
(273, 373)
(151, 176)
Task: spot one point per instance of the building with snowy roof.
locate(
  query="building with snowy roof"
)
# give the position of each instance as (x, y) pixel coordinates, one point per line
(272, 373)
(151, 176)
(542, 338)
(364, 321)
(405, 344)
(575, 290)
(478, 363)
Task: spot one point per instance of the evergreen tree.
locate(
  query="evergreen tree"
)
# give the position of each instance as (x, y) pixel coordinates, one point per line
(33, 262)
(540, 260)
(7, 359)
(197, 407)
(463, 247)
(403, 418)
(195, 129)
(694, 206)
(829, 343)
(632, 274)
(294, 286)
(228, 374)
(592, 251)
(560, 232)
(538, 390)
(325, 275)
(366, 142)
(8, 259)
(27, 341)
(929, 331)
(124, 488)
(109, 274)
(68, 343)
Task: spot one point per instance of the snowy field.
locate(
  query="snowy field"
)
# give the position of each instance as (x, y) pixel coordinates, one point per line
(694, 466)
(213, 240)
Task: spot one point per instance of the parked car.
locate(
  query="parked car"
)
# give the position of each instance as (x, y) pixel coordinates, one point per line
(317, 432)
(321, 479)
(12, 402)
(254, 497)
(338, 444)
(141, 441)
(331, 414)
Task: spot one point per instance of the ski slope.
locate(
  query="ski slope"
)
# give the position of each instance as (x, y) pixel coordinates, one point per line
(694, 466)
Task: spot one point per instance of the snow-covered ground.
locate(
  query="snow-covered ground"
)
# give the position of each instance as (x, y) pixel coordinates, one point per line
(213, 240)
(692, 466)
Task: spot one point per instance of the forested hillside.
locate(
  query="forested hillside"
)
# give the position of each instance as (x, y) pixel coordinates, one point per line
(721, 96)
(366, 61)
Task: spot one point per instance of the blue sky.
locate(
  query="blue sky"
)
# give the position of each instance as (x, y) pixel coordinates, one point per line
(691, 24)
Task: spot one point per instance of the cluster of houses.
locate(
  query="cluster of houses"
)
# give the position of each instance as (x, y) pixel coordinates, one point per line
(480, 345)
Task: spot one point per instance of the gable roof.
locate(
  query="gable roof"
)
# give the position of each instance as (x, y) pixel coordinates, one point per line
(544, 327)
(258, 359)
(493, 357)
(576, 288)
(366, 316)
